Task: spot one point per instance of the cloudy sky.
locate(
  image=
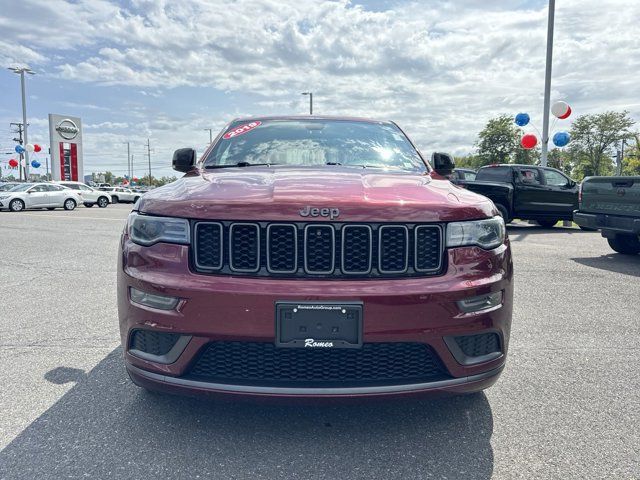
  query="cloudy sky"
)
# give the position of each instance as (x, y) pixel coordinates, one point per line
(166, 70)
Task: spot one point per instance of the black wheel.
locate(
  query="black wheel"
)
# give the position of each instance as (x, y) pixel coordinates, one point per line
(69, 204)
(504, 213)
(114, 199)
(51, 208)
(625, 244)
(546, 223)
(16, 205)
(103, 202)
(587, 229)
(88, 205)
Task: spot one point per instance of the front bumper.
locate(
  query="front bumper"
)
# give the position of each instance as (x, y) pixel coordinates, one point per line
(241, 309)
(607, 223)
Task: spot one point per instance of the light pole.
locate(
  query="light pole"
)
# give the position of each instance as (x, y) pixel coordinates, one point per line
(21, 71)
(210, 134)
(547, 84)
(310, 101)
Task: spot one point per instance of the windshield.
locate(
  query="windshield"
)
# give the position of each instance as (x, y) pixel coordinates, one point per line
(22, 187)
(315, 142)
(7, 186)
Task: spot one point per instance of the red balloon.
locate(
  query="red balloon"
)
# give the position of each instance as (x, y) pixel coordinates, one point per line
(528, 141)
(135, 179)
(36, 147)
(13, 163)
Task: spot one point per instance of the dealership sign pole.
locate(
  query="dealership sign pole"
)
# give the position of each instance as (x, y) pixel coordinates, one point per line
(547, 85)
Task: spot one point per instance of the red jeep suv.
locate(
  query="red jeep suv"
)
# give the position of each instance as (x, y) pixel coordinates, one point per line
(314, 257)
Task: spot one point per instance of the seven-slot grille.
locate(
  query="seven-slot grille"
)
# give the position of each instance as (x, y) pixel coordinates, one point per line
(317, 250)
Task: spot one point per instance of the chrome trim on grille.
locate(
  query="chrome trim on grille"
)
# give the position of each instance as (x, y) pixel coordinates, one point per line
(195, 246)
(295, 253)
(333, 250)
(406, 253)
(415, 248)
(245, 270)
(342, 251)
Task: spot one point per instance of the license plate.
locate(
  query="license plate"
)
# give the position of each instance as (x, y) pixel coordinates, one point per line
(319, 325)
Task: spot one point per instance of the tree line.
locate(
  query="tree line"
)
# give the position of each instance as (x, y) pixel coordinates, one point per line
(596, 141)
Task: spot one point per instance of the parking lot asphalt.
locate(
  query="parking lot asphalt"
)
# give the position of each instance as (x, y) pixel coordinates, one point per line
(567, 405)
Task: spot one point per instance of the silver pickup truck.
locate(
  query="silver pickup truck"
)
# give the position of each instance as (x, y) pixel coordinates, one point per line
(612, 205)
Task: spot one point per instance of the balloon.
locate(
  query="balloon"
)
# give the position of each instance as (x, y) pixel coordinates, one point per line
(30, 148)
(561, 110)
(19, 149)
(35, 164)
(135, 179)
(13, 163)
(528, 141)
(560, 139)
(36, 147)
(522, 119)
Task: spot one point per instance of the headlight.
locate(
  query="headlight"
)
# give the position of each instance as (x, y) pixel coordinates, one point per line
(485, 234)
(146, 230)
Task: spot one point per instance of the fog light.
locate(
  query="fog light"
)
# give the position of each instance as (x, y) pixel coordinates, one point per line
(481, 302)
(161, 302)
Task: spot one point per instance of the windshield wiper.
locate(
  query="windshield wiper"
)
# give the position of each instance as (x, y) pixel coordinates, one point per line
(241, 164)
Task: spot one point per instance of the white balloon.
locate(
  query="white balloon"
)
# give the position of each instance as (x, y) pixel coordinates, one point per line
(560, 109)
(29, 147)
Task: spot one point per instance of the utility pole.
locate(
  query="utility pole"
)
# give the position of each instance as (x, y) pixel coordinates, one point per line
(310, 101)
(149, 157)
(210, 135)
(132, 167)
(547, 84)
(46, 159)
(129, 160)
(19, 140)
(21, 71)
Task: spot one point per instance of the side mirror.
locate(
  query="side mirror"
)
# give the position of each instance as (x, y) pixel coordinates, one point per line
(184, 160)
(442, 163)
(572, 184)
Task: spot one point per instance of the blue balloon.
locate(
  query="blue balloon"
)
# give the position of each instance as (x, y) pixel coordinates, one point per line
(522, 119)
(35, 164)
(561, 139)
(19, 149)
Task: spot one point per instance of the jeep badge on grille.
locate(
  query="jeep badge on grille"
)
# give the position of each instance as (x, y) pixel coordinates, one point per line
(319, 212)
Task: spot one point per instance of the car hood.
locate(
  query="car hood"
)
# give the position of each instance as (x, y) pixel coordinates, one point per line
(279, 193)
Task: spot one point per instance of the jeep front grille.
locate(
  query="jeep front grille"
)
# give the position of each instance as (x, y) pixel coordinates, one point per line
(317, 249)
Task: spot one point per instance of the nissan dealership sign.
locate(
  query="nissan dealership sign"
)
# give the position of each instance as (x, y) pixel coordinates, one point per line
(67, 129)
(65, 133)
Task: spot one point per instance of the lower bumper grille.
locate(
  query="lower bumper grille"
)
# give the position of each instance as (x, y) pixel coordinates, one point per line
(151, 342)
(261, 363)
(479, 345)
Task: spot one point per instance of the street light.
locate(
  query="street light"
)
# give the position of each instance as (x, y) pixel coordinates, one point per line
(310, 101)
(21, 71)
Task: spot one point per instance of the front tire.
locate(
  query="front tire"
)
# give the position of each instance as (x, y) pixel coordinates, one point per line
(69, 204)
(547, 223)
(16, 205)
(625, 244)
(103, 202)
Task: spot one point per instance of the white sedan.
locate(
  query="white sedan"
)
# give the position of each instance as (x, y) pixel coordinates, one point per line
(39, 195)
(90, 196)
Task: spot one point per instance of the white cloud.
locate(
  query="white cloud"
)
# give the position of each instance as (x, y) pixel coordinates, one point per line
(439, 68)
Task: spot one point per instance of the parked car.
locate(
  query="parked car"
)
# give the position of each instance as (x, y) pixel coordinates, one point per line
(121, 194)
(612, 205)
(314, 257)
(7, 186)
(39, 195)
(527, 192)
(90, 196)
(462, 174)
